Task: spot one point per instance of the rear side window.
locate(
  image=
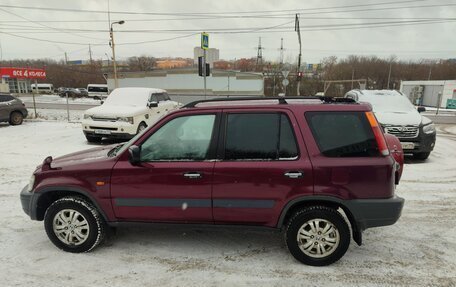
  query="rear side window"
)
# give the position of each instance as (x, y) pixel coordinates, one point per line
(266, 136)
(342, 134)
(6, 98)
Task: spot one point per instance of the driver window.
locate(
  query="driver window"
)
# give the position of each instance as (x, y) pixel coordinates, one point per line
(153, 98)
(181, 139)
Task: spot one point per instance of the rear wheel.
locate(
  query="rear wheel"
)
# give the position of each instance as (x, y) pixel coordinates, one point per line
(74, 225)
(317, 236)
(16, 118)
(421, 155)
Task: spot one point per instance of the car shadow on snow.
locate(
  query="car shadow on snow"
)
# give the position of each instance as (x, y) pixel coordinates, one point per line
(232, 241)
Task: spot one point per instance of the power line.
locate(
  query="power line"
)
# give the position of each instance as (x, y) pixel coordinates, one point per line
(38, 23)
(293, 11)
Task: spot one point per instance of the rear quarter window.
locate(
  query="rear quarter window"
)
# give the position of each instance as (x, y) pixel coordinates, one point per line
(342, 134)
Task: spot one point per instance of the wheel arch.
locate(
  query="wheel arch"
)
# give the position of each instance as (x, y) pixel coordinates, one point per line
(49, 195)
(298, 203)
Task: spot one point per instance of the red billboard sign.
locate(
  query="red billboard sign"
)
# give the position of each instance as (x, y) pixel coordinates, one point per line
(23, 73)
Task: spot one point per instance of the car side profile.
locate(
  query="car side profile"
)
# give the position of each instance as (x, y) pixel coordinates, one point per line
(125, 113)
(12, 109)
(320, 169)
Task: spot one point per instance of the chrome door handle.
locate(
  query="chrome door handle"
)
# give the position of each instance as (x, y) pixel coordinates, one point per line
(293, 174)
(193, 175)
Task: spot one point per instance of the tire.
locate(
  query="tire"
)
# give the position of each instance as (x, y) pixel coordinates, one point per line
(97, 98)
(64, 234)
(304, 221)
(421, 155)
(142, 126)
(93, 139)
(16, 118)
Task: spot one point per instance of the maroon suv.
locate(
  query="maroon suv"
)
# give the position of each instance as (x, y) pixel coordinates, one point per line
(312, 167)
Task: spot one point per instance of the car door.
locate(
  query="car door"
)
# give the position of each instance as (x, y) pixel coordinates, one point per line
(4, 108)
(173, 181)
(261, 166)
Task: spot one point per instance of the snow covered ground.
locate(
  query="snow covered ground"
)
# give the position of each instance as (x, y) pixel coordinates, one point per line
(420, 250)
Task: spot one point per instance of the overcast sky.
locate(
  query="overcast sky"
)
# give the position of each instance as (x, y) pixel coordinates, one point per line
(412, 41)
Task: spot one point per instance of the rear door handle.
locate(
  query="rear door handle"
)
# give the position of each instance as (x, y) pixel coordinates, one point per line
(293, 174)
(193, 175)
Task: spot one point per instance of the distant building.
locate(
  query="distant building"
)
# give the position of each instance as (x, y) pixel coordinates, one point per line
(212, 55)
(426, 93)
(172, 63)
(184, 85)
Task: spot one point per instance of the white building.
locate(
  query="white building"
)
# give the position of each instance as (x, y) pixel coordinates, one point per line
(426, 93)
(184, 85)
(212, 55)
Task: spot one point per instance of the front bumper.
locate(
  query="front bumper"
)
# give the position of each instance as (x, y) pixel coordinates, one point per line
(118, 130)
(375, 212)
(422, 143)
(26, 200)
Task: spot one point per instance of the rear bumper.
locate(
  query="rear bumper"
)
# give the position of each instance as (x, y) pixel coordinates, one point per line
(375, 212)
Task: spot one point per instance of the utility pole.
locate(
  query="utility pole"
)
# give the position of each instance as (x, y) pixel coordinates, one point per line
(353, 76)
(259, 60)
(90, 54)
(111, 34)
(298, 78)
(281, 52)
(430, 72)
(66, 58)
(389, 76)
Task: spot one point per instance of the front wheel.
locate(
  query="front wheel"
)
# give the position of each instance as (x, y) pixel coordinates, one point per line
(142, 126)
(317, 236)
(93, 139)
(74, 225)
(421, 155)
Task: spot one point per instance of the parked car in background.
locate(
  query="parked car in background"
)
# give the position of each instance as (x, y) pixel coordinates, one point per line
(42, 88)
(71, 92)
(12, 109)
(97, 91)
(83, 91)
(125, 113)
(399, 117)
(319, 169)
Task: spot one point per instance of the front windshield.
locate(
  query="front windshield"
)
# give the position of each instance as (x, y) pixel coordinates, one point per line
(389, 104)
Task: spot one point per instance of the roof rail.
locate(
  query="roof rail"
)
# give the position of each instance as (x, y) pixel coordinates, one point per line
(281, 100)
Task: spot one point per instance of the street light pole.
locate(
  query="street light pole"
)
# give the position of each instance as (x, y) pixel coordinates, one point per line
(111, 34)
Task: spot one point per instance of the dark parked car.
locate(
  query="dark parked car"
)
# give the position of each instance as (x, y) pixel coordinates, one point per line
(83, 91)
(72, 93)
(286, 163)
(12, 109)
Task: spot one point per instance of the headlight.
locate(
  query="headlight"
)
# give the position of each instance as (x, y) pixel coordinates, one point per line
(429, 129)
(86, 116)
(126, 119)
(31, 183)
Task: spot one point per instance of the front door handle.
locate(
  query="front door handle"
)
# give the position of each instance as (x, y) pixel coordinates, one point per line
(193, 175)
(293, 174)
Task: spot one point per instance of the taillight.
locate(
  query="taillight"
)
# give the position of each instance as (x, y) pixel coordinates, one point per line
(378, 133)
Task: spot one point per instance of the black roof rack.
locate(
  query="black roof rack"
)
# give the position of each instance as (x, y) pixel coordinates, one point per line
(281, 100)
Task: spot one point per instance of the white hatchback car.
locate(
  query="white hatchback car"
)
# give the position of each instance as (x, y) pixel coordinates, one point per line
(125, 113)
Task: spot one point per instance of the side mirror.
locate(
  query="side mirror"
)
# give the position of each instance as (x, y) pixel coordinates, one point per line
(152, 104)
(135, 154)
(421, 109)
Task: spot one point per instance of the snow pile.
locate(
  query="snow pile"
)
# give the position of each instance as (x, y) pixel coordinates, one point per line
(420, 250)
